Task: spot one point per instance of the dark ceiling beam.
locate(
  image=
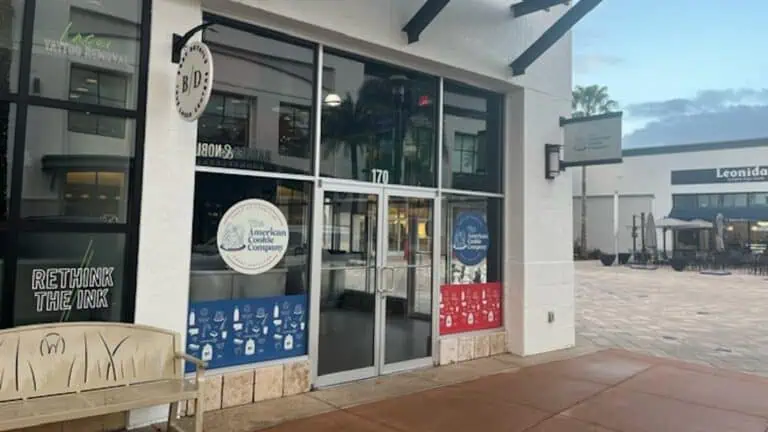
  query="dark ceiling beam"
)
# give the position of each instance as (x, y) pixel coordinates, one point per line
(526, 7)
(422, 18)
(552, 35)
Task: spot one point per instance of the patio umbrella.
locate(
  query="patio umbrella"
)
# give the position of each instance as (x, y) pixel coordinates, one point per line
(701, 224)
(669, 222)
(719, 232)
(650, 232)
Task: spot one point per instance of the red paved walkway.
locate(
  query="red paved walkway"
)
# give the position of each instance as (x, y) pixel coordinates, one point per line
(606, 391)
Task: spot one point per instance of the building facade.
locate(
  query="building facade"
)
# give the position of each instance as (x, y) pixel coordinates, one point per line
(687, 182)
(381, 156)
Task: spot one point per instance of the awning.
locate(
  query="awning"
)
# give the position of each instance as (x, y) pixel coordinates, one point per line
(673, 224)
(709, 213)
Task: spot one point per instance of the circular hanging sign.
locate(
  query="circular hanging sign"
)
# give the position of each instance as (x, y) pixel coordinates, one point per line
(194, 81)
(252, 236)
(470, 238)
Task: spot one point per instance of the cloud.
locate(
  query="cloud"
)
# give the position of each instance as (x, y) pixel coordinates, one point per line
(733, 123)
(711, 115)
(705, 101)
(586, 63)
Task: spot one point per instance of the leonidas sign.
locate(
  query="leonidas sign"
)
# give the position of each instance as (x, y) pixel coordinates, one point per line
(755, 173)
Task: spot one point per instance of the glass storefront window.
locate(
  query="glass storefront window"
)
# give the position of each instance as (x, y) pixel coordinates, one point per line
(472, 139)
(260, 114)
(249, 317)
(378, 123)
(225, 120)
(74, 158)
(758, 199)
(69, 277)
(76, 176)
(735, 200)
(11, 18)
(471, 264)
(87, 52)
(684, 201)
(212, 279)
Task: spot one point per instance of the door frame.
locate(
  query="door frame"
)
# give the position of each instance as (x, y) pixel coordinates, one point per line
(387, 193)
(383, 191)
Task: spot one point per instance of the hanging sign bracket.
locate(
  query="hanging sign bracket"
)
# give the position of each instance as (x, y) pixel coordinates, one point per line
(180, 41)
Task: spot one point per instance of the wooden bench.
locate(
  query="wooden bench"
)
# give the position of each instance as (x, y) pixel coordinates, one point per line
(58, 372)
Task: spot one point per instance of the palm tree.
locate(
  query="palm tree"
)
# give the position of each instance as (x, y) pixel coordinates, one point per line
(588, 101)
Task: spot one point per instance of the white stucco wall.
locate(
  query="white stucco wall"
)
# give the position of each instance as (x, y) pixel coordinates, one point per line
(470, 41)
(165, 234)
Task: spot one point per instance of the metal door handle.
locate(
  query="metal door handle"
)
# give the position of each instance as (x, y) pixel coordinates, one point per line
(382, 289)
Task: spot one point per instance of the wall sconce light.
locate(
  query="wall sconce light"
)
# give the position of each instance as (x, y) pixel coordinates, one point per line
(552, 162)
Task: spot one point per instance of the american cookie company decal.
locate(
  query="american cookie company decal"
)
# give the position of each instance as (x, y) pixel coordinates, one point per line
(194, 81)
(470, 238)
(252, 236)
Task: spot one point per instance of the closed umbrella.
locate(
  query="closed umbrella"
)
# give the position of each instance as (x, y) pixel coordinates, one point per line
(719, 232)
(650, 233)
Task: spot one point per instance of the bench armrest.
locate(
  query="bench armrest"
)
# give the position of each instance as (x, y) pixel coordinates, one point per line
(199, 364)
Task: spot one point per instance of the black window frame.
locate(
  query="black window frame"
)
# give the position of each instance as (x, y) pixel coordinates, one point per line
(289, 148)
(223, 118)
(25, 97)
(494, 114)
(97, 119)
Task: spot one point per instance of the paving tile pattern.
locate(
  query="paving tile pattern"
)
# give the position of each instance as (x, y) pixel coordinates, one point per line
(721, 321)
(606, 391)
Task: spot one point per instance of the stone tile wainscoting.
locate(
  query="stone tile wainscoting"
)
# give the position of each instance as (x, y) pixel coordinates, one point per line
(461, 348)
(255, 385)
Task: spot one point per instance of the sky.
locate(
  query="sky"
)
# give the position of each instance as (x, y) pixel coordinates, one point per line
(683, 71)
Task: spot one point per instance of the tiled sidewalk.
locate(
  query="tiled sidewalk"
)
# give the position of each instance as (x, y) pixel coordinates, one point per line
(606, 391)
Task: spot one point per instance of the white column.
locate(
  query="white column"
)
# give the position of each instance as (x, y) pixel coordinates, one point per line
(162, 289)
(539, 271)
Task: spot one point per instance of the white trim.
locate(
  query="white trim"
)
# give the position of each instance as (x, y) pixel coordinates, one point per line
(437, 241)
(439, 130)
(253, 173)
(348, 185)
(630, 195)
(473, 193)
(318, 110)
(250, 366)
(407, 365)
(344, 377)
(315, 283)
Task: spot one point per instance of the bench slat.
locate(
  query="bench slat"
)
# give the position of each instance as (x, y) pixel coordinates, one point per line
(52, 409)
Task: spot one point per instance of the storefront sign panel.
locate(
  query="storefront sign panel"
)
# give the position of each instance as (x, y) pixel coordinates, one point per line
(227, 333)
(592, 140)
(755, 173)
(470, 238)
(470, 307)
(194, 81)
(252, 236)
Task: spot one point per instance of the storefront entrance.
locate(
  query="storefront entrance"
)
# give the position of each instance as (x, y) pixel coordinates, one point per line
(376, 279)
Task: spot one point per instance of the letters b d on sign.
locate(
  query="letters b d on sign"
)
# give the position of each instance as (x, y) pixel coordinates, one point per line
(194, 81)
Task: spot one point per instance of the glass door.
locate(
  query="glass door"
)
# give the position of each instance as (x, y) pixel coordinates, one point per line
(348, 346)
(376, 281)
(407, 282)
